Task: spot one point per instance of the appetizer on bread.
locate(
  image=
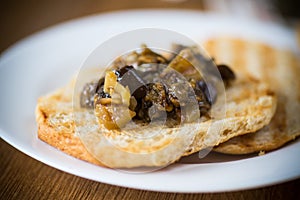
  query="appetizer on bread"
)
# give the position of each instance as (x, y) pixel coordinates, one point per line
(150, 110)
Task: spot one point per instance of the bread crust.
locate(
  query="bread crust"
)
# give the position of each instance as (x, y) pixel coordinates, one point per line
(66, 142)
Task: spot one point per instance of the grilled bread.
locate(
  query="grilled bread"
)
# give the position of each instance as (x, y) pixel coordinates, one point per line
(250, 105)
(280, 69)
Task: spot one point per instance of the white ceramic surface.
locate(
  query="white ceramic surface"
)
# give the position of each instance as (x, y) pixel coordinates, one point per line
(48, 59)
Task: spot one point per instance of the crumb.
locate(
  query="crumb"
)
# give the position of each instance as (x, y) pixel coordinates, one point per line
(261, 153)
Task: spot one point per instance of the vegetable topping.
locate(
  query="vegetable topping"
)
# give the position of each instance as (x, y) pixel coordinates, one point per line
(145, 87)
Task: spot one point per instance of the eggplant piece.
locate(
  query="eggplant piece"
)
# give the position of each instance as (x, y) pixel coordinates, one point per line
(149, 56)
(226, 73)
(87, 95)
(146, 56)
(209, 91)
(128, 76)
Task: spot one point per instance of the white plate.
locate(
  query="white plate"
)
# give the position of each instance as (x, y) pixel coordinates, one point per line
(48, 59)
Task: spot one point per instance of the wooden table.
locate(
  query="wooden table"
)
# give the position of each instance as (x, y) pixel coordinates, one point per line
(22, 177)
(25, 178)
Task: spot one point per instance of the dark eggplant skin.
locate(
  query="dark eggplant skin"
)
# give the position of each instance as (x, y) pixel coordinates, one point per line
(128, 76)
(226, 73)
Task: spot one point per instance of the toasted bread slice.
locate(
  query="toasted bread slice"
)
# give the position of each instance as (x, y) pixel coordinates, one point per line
(280, 69)
(250, 106)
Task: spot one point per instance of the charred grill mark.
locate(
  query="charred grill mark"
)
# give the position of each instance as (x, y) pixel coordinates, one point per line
(269, 64)
(238, 55)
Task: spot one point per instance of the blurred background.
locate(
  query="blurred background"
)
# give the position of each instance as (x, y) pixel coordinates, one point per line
(19, 19)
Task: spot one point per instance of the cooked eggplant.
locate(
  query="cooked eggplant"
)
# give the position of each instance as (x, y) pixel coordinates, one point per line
(146, 86)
